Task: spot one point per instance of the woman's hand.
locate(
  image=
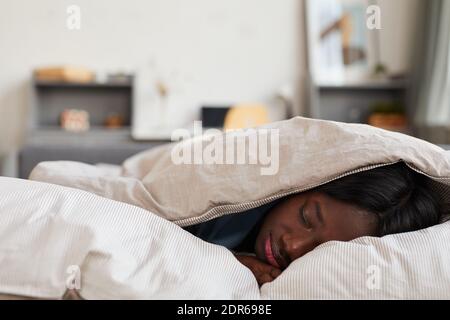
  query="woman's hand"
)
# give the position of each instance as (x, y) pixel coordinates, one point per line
(263, 272)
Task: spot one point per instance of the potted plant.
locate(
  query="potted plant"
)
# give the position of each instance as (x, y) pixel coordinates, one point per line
(388, 115)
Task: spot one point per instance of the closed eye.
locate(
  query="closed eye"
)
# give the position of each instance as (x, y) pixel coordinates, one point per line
(303, 218)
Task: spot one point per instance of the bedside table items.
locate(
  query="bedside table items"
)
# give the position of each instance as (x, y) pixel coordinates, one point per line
(114, 121)
(388, 120)
(162, 91)
(162, 94)
(389, 115)
(243, 116)
(238, 116)
(380, 70)
(213, 116)
(75, 120)
(64, 74)
(119, 77)
(104, 105)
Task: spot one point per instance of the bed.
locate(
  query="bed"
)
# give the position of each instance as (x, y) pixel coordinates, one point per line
(116, 231)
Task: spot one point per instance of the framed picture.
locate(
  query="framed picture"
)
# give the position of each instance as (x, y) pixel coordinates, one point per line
(340, 46)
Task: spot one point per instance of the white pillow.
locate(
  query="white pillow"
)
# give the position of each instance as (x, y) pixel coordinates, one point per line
(414, 265)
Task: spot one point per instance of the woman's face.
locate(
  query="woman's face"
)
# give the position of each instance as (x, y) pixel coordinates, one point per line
(302, 222)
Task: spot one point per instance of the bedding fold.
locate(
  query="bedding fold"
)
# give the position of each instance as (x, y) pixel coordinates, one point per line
(52, 236)
(129, 248)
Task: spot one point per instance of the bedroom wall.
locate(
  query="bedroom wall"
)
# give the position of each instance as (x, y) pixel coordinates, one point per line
(217, 51)
(399, 31)
(211, 51)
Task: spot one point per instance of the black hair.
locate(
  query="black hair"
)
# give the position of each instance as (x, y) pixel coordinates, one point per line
(396, 194)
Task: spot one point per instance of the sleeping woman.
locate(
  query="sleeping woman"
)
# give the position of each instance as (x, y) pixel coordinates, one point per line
(378, 202)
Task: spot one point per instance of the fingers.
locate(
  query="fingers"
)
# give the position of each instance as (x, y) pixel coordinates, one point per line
(269, 276)
(262, 271)
(275, 272)
(264, 278)
(266, 273)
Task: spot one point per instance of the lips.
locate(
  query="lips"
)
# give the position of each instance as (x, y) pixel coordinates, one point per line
(270, 255)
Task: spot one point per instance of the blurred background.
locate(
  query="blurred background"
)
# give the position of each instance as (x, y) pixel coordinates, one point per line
(97, 81)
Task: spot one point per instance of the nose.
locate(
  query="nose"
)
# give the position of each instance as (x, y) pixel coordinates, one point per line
(296, 245)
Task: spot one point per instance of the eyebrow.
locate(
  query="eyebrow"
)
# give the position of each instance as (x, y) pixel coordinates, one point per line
(319, 213)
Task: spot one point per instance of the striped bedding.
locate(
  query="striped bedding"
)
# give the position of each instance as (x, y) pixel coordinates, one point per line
(120, 234)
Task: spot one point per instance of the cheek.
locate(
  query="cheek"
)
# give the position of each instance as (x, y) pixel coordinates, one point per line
(281, 219)
(273, 224)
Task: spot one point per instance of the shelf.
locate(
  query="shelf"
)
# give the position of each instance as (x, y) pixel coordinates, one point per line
(368, 85)
(92, 130)
(100, 99)
(53, 134)
(105, 85)
(94, 136)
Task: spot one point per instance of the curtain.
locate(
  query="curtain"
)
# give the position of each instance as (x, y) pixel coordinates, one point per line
(431, 92)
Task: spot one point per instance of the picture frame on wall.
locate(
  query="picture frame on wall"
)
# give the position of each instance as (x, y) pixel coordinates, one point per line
(341, 49)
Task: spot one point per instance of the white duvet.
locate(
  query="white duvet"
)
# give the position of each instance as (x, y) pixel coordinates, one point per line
(122, 251)
(47, 232)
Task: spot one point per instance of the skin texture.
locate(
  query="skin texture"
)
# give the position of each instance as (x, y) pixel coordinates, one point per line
(298, 225)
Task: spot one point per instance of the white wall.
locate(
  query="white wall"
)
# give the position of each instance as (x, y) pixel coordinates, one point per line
(210, 51)
(399, 31)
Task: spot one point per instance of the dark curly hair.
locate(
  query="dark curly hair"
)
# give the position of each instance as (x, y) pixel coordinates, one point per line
(396, 194)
